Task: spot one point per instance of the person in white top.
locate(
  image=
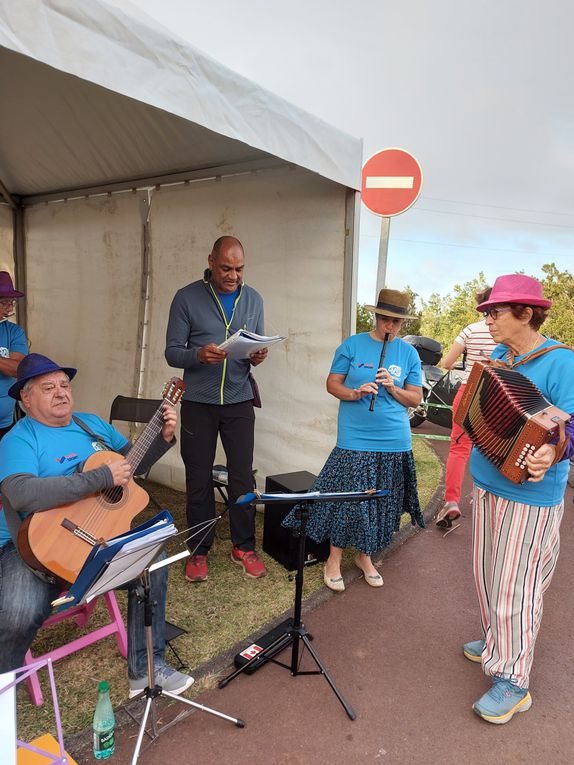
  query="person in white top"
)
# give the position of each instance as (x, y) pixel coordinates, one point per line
(476, 342)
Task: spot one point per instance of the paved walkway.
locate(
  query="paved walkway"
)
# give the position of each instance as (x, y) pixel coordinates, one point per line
(396, 654)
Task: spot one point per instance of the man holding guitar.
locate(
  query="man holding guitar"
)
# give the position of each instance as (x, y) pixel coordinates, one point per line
(39, 462)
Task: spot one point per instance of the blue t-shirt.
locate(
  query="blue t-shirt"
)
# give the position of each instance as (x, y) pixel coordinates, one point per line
(553, 375)
(12, 340)
(43, 451)
(386, 429)
(227, 300)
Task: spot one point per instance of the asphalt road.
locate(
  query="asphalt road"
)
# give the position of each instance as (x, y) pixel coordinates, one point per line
(395, 653)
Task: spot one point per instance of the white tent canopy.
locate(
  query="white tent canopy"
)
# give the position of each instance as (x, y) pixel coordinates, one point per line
(124, 154)
(132, 103)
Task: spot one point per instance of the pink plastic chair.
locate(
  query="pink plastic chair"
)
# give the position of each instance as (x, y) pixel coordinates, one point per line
(81, 614)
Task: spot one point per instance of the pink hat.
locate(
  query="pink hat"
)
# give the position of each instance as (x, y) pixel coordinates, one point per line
(516, 288)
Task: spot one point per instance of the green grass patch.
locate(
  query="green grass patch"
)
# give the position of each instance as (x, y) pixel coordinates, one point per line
(216, 614)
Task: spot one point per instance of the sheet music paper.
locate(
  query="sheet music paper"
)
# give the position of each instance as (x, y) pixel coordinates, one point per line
(127, 564)
(122, 559)
(243, 343)
(323, 495)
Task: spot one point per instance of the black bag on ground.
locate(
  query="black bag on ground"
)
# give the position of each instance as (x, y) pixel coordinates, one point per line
(443, 392)
(429, 350)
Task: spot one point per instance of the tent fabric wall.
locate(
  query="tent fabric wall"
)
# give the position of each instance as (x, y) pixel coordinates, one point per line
(6, 238)
(291, 224)
(83, 282)
(84, 277)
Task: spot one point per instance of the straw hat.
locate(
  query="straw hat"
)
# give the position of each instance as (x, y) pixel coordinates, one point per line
(392, 303)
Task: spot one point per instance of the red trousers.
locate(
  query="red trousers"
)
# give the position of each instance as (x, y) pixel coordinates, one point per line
(460, 448)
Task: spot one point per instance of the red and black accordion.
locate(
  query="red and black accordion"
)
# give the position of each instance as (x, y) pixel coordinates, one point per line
(507, 418)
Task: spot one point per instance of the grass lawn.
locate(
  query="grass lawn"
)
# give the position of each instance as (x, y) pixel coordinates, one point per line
(217, 614)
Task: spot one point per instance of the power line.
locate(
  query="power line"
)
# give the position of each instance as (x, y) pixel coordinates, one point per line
(497, 207)
(466, 246)
(490, 217)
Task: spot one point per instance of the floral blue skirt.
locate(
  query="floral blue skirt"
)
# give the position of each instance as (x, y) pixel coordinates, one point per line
(368, 526)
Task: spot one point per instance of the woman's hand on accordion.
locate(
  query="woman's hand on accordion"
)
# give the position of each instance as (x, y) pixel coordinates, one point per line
(539, 462)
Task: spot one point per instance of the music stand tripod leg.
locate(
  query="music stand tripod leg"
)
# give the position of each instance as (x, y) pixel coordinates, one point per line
(300, 634)
(153, 691)
(297, 633)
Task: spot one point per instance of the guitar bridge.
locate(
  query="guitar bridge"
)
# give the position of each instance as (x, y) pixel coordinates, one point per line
(79, 532)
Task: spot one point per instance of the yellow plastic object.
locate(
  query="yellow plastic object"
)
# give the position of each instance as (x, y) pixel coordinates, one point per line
(46, 742)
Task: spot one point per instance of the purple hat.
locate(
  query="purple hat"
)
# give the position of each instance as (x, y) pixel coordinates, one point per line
(516, 288)
(35, 365)
(7, 287)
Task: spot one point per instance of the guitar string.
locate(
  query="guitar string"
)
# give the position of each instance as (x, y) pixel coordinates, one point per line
(134, 457)
(101, 505)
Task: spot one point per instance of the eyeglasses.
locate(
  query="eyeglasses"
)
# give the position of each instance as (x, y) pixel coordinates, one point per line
(7, 303)
(494, 312)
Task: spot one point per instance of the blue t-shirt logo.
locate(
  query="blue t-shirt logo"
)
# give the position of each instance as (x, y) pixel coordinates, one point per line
(67, 458)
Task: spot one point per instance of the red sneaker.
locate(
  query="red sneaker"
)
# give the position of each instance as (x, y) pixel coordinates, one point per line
(252, 564)
(196, 568)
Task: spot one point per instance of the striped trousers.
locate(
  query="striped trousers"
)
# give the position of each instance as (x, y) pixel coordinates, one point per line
(515, 550)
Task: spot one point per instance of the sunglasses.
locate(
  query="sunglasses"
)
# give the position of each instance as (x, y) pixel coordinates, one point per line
(494, 312)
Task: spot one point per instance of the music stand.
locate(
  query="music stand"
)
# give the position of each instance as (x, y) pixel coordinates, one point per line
(296, 635)
(139, 564)
(153, 691)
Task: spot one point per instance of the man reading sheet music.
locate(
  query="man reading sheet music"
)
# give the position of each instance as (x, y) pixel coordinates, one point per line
(39, 461)
(218, 399)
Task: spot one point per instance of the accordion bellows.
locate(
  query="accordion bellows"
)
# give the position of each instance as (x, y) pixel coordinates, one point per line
(507, 418)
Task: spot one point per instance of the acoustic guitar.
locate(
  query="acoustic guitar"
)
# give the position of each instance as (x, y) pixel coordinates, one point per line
(58, 541)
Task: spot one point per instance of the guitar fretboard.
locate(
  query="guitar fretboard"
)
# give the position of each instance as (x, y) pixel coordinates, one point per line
(150, 432)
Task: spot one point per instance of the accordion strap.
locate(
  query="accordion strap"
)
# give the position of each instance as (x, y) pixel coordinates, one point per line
(529, 357)
(541, 352)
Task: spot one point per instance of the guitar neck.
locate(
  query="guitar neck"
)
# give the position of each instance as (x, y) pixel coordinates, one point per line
(148, 436)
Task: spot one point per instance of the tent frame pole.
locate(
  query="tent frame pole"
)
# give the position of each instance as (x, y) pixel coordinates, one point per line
(18, 251)
(144, 303)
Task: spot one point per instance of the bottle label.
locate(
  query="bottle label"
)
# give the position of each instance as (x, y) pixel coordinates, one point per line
(103, 741)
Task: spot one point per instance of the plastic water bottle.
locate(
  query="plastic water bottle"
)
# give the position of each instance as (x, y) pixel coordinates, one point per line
(104, 724)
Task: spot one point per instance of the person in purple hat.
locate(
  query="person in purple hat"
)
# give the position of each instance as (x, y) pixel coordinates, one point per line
(39, 461)
(516, 534)
(13, 348)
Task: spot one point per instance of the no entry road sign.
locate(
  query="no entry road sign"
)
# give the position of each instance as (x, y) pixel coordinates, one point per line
(392, 181)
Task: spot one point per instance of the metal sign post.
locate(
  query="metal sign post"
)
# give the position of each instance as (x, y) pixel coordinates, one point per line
(392, 180)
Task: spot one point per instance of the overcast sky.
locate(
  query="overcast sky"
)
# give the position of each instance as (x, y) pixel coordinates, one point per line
(481, 92)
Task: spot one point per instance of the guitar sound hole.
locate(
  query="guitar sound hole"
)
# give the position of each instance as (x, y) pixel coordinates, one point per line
(113, 495)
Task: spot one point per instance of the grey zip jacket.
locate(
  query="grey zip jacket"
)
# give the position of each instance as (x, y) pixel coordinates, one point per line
(197, 318)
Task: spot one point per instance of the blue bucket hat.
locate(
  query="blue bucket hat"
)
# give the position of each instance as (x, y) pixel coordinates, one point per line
(32, 366)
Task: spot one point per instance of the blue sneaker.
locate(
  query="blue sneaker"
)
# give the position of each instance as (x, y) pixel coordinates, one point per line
(504, 698)
(473, 650)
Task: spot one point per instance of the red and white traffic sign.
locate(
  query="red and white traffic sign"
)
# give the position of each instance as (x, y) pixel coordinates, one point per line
(392, 181)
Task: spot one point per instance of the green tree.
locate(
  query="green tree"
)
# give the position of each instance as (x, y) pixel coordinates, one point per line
(411, 326)
(559, 287)
(365, 319)
(443, 318)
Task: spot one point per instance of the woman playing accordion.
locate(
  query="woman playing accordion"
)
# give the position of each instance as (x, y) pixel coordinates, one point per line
(516, 526)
